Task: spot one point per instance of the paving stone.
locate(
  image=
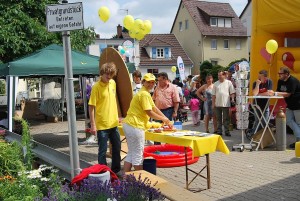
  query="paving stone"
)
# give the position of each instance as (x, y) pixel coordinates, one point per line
(259, 175)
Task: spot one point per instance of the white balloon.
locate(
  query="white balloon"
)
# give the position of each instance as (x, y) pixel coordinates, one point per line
(127, 53)
(120, 47)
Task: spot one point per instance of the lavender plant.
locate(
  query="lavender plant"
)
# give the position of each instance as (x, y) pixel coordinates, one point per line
(91, 189)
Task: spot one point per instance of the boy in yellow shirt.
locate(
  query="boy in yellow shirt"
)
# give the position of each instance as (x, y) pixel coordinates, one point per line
(104, 116)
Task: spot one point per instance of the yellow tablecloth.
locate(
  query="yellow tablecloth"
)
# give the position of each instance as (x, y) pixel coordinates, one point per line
(200, 145)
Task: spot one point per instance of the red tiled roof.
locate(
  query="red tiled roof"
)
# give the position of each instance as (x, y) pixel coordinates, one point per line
(166, 40)
(201, 11)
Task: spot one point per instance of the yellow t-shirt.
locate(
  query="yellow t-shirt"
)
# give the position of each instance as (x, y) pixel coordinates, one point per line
(136, 115)
(103, 97)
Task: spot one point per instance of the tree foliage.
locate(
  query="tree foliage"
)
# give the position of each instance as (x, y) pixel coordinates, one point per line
(23, 29)
(207, 68)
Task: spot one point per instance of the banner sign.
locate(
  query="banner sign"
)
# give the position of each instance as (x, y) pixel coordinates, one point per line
(180, 66)
(64, 17)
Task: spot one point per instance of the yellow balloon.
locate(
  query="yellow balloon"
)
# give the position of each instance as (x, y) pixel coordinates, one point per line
(148, 26)
(173, 69)
(271, 46)
(140, 35)
(104, 13)
(133, 32)
(139, 24)
(128, 22)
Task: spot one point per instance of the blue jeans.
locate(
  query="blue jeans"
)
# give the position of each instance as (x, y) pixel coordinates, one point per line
(292, 123)
(114, 137)
(168, 113)
(256, 118)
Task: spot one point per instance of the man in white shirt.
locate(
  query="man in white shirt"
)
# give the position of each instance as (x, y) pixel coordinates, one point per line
(223, 94)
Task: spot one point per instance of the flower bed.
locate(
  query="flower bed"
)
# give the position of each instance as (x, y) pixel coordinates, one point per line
(18, 181)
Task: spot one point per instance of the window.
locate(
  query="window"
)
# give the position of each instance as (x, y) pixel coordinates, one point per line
(228, 22)
(180, 26)
(213, 21)
(214, 62)
(160, 53)
(186, 24)
(213, 44)
(220, 22)
(226, 44)
(153, 71)
(238, 44)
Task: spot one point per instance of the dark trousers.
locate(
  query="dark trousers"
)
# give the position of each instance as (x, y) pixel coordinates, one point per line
(114, 137)
(222, 114)
(168, 112)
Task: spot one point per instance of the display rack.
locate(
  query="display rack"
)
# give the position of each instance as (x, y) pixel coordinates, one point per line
(242, 105)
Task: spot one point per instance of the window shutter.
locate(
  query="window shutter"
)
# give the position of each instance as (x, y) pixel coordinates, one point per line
(166, 52)
(153, 52)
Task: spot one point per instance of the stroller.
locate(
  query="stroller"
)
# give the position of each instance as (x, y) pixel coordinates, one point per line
(182, 114)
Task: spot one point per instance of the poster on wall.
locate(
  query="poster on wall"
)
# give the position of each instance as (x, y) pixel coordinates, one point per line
(180, 65)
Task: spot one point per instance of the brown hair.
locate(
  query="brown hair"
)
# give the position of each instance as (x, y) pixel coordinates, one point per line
(108, 68)
(164, 75)
(137, 73)
(222, 72)
(263, 72)
(285, 70)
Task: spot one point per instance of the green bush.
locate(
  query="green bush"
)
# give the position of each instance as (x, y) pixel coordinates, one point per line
(11, 159)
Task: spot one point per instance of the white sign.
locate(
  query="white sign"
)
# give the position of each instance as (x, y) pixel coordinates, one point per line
(64, 17)
(180, 65)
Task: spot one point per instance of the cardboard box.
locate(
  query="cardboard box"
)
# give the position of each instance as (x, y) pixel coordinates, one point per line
(267, 139)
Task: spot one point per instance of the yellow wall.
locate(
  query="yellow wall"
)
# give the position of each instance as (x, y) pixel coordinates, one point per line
(274, 19)
(193, 41)
(225, 56)
(190, 39)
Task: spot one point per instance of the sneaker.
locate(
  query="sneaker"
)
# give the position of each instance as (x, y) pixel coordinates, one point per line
(292, 146)
(91, 140)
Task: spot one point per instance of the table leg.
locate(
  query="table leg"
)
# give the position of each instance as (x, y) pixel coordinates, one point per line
(186, 169)
(208, 170)
(267, 126)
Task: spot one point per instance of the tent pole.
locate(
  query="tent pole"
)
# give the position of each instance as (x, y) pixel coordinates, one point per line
(73, 141)
(9, 80)
(62, 93)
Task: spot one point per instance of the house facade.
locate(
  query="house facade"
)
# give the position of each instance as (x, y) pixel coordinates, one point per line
(155, 53)
(159, 52)
(210, 31)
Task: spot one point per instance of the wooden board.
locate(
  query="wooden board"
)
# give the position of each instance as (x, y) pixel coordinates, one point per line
(168, 189)
(124, 88)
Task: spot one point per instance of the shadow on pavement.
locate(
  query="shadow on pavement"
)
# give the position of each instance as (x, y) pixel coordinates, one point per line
(285, 189)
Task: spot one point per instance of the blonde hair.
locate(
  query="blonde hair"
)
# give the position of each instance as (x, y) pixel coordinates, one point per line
(108, 68)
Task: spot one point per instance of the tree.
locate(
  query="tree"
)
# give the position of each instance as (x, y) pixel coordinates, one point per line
(205, 69)
(23, 29)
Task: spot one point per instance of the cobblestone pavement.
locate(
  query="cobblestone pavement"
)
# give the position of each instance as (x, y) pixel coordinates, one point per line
(259, 175)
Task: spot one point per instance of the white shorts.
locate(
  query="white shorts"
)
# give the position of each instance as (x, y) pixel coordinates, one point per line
(135, 138)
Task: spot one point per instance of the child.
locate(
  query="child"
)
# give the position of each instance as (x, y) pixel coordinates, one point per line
(194, 105)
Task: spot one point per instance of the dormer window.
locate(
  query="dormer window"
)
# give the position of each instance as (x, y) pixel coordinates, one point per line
(213, 21)
(220, 22)
(160, 53)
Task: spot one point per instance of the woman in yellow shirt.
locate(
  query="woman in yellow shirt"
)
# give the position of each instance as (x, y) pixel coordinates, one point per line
(141, 109)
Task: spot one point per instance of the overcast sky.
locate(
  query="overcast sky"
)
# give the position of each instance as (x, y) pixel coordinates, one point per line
(160, 12)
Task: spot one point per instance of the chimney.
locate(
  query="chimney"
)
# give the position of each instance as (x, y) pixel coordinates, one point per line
(119, 31)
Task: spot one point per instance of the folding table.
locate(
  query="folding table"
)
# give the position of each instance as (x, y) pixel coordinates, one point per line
(261, 117)
(201, 146)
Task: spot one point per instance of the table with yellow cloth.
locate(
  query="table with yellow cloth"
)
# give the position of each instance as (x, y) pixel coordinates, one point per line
(202, 146)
